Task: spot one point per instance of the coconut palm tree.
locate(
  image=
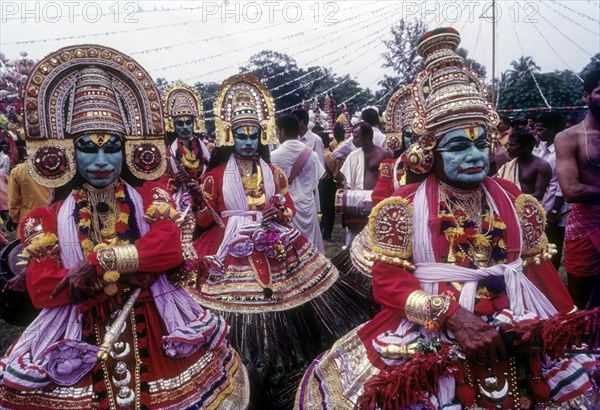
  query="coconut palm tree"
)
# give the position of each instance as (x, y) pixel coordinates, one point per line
(520, 68)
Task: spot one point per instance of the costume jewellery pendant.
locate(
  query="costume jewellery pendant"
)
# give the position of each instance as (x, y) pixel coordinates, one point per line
(585, 142)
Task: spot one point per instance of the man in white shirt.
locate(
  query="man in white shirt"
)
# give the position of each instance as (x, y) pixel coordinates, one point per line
(303, 168)
(371, 117)
(312, 141)
(547, 126)
(309, 138)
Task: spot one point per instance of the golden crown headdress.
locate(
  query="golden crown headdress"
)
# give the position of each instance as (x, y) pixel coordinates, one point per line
(399, 112)
(179, 99)
(447, 96)
(244, 100)
(85, 89)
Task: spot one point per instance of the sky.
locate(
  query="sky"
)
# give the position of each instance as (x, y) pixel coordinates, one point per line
(209, 40)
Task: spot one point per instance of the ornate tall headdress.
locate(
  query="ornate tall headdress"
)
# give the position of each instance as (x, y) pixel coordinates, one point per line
(179, 100)
(85, 89)
(399, 113)
(244, 100)
(447, 96)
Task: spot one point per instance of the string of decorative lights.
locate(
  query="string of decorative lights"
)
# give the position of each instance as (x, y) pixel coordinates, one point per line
(367, 24)
(576, 11)
(348, 77)
(307, 49)
(269, 40)
(364, 39)
(557, 53)
(567, 37)
(570, 19)
(398, 83)
(352, 57)
(353, 96)
(477, 38)
(219, 37)
(566, 108)
(341, 34)
(528, 67)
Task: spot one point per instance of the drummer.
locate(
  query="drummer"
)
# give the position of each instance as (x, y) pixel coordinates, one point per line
(361, 167)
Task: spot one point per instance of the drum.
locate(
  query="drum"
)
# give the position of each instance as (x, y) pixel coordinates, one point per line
(355, 206)
(15, 307)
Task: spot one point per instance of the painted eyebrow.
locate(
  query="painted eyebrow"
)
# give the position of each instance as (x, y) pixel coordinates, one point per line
(461, 138)
(82, 143)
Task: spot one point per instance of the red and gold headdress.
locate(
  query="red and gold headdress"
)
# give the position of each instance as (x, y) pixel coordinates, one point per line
(244, 100)
(86, 89)
(447, 96)
(179, 100)
(399, 113)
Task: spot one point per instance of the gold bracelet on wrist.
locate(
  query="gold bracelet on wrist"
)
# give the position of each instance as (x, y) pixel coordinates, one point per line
(127, 259)
(416, 307)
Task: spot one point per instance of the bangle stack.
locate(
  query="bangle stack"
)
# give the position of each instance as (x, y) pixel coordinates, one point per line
(426, 309)
(116, 260)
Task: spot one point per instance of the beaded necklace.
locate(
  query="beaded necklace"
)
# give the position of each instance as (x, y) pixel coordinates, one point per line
(103, 216)
(475, 236)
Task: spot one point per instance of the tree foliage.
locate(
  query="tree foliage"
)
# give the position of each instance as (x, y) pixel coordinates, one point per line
(520, 68)
(594, 64)
(401, 56)
(277, 69)
(291, 84)
(208, 92)
(471, 63)
(557, 89)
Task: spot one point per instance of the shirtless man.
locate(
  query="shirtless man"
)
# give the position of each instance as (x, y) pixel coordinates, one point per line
(578, 168)
(360, 169)
(529, 172)
(371, 154)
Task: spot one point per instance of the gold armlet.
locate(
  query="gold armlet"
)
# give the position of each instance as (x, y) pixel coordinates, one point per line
(415, 307)
(119, 259)
(546, 254)
(391, 260)
(127, 258)
(426, 310)
(532, 218)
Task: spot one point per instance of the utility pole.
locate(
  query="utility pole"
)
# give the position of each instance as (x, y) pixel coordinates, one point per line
(494, 53)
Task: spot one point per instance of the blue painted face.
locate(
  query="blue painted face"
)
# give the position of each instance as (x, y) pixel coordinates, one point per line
(99, 158)
(245, 141)
(184, 127)
(465, 156)
(407, 137)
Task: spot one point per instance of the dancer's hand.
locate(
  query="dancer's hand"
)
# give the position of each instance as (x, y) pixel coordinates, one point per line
(195, 191)
(79, 281)
(272, 214)
(181, 178)
(481, 342)
(17, 284)
(139, 280)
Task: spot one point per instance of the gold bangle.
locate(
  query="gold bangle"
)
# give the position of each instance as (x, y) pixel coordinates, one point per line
(416, 307)
(127, 259)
